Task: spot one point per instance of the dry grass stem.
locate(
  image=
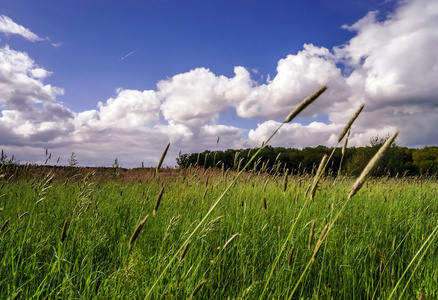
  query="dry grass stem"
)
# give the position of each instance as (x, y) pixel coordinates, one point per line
(348, 126)
(15, 297)
(5, 224)
(137, 231)
(371, 165)
(230, 240)
(23, 214)
(300, 107)
(378, 236)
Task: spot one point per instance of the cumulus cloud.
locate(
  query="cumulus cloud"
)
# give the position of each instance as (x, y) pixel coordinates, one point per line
(198, 97)
(131, 108)
(390, 65)
(297, 77)
(192, 98)
(395, 66)
(8, 26)
(295, 135)
(21, 83)
(32, 114)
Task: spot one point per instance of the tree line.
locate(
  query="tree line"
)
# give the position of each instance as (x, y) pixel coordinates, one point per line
(399, 161)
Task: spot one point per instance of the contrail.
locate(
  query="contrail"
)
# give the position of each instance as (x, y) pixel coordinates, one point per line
(127, 55)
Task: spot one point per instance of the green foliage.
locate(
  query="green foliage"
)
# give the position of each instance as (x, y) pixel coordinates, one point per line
(426, 160)
(398, 161)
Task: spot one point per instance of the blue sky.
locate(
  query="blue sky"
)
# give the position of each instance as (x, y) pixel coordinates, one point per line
(108, 79)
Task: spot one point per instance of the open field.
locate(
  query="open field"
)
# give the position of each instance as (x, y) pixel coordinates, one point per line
(71, 237)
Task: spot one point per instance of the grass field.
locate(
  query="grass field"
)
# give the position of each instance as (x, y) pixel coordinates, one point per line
(70, 237)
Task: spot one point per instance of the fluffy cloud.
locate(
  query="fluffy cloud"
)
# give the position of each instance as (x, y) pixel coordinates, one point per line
(297, 77)
(8, 26)
(395, 65)
(198, 97)
(389, 65)
(32, 114)
(396, 60)
(295, 135)
(131, 108)
(193, 98)
(21, 83)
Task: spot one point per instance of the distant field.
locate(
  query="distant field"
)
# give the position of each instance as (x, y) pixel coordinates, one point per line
(71, 236)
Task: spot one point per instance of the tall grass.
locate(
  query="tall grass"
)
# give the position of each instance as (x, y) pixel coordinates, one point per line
(95, 260)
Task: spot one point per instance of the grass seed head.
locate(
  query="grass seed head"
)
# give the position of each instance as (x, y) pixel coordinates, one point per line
(23, 214)
(137, 231)
(300, 107)
(348, 126)
(160, 162)
(318, 175)
(371, 165)
(230, 240)
(64, 231)
(319, 242)
(344, 147)
(157, 203)
(285, 182)
(184, 251)
(197, 288)
(4, 225)
(291, 254)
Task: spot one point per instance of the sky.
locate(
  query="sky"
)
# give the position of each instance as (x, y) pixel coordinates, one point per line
(121, 79)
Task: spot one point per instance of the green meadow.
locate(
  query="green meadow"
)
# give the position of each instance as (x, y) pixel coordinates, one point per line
(70, 236)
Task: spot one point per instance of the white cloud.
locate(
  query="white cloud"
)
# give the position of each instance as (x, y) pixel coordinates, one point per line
(39, 73)
(295, 135)
(395, 69)
(297, 77)
(131, 108)
(193, 98)
(32, 116)
(8, 26)
(20, 81)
